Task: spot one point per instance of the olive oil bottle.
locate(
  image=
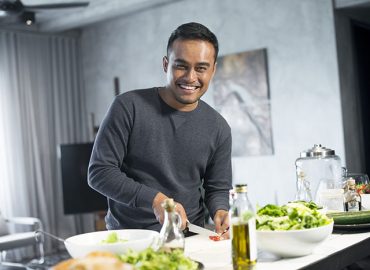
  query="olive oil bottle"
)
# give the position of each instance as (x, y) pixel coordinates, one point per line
(171, 236)
(243, 230)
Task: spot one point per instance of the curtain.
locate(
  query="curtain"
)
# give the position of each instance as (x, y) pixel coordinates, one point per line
(41, 106)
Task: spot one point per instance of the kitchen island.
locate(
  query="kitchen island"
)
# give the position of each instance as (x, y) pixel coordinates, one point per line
(336, 252)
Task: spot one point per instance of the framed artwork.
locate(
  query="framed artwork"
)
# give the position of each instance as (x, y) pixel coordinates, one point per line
(241, 94)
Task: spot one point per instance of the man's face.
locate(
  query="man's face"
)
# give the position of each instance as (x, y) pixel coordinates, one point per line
(190, 66)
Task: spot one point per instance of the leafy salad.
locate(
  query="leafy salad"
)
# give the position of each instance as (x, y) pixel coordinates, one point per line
(113, 238)
(297, 215)
(149, 259)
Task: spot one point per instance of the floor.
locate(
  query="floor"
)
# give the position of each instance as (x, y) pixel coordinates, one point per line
(50, 261)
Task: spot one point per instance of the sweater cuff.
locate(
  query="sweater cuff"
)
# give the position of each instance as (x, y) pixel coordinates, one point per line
(145, 197)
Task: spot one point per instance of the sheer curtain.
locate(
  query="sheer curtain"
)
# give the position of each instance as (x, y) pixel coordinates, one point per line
(41, 106)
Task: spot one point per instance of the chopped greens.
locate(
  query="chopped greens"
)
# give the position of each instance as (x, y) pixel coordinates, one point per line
(112, 238)
(296, 215)
(149, 259)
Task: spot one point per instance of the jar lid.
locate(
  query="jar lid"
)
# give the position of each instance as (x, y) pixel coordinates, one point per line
(318, 151)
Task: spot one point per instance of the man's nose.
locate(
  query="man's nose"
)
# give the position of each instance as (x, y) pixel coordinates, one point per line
(191, 75)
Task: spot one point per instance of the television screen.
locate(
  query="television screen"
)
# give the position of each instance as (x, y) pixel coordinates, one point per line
(78, 196)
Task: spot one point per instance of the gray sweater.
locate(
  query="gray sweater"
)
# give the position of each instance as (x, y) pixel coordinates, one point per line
(144, 146)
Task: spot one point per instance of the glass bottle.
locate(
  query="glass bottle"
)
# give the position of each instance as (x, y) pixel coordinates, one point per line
(351, 197)
(243, 230)
(303, 188)
(171, 236)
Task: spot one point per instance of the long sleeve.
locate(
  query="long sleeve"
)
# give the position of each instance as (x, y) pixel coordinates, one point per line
(218, 178)
(109, 151)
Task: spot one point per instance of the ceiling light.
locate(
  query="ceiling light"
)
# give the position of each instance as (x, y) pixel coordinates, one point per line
(28, 17)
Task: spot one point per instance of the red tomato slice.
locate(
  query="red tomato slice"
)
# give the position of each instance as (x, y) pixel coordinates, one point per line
(215, 237)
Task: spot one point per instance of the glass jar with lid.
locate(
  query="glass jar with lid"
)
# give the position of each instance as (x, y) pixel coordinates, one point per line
(319, 165)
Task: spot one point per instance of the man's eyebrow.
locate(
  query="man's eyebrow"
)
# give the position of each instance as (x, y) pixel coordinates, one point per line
(182, 61)
(204, 64)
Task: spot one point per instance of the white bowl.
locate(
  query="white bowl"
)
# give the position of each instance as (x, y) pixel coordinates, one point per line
(293, 243)
(79, 246)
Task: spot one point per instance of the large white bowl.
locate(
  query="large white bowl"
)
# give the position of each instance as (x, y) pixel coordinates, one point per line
(79, 246)
(293, 243)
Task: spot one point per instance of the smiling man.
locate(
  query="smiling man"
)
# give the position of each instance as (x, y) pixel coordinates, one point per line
(165, 142)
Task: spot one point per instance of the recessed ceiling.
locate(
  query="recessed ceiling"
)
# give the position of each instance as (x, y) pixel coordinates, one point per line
(357, 10)
(55, 20)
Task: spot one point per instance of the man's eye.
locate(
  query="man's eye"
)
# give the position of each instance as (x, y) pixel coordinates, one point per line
(201, 69)
(178, 66)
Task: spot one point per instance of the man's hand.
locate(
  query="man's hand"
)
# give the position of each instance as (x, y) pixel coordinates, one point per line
(159, 210)
(221, 220)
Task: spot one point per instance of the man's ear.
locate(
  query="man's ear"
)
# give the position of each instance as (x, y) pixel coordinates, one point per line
(214, 69)
(165, 63)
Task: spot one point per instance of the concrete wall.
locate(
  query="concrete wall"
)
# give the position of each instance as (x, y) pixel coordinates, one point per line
(302, 65)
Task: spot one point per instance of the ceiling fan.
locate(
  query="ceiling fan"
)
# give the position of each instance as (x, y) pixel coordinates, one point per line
(14, 11)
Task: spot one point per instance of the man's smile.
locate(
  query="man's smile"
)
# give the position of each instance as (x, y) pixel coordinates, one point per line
(186, 88)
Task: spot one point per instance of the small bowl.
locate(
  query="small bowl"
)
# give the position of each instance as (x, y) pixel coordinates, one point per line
(293, 243)
(79, 246)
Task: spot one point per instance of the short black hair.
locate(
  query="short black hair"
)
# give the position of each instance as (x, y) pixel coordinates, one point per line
(193, 31)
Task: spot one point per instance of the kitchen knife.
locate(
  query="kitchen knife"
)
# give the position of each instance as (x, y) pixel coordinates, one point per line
(199, 230)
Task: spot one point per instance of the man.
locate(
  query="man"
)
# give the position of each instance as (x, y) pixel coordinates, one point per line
(165, 142)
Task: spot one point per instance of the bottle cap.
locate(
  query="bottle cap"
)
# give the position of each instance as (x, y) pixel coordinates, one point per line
(241, 188)
(351, 181)
(169, 205)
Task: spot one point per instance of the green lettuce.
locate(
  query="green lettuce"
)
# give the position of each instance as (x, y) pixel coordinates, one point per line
(149, 259)
(112, 238)
(297, 215)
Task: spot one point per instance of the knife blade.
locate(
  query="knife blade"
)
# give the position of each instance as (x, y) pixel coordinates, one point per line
(200, 230)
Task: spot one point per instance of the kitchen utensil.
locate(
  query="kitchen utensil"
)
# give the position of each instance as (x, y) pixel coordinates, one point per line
(199, 230)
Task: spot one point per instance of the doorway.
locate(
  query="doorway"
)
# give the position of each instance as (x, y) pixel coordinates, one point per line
(361, 45)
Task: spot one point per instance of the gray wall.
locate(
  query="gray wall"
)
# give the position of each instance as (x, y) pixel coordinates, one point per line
(303, 72)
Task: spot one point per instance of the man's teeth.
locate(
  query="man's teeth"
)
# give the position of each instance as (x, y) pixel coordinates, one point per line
(187, 87)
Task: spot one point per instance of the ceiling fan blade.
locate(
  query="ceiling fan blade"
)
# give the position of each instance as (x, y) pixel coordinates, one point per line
(57, 6)
(11, 7)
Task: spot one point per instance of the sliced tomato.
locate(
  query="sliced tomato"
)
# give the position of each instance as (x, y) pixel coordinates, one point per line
(215, 237)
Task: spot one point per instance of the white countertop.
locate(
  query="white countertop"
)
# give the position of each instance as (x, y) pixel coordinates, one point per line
(217, 255)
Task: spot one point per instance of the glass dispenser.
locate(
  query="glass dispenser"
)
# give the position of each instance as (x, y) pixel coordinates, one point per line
(321, 168)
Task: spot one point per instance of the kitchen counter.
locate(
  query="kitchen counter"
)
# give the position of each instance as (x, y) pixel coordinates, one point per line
(336, 252)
